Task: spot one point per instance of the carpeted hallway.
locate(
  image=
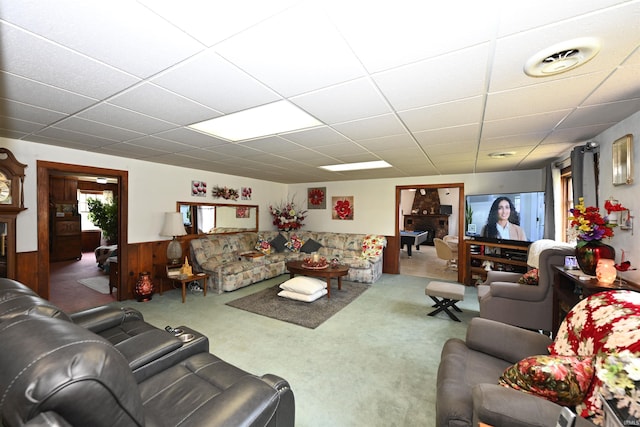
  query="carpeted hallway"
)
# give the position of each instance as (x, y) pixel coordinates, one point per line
(373, 363)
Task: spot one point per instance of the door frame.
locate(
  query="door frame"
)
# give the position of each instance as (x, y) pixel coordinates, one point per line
(459, 186)
(44, 170)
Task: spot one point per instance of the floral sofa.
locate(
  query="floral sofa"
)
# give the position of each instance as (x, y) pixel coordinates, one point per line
(225, 256)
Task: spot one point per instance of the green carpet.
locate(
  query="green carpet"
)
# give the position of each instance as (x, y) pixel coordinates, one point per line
(308, 314)
(373, 363)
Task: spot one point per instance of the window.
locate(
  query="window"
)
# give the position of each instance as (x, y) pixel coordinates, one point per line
(83, 206)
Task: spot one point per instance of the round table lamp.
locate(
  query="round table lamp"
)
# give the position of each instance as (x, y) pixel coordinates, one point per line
(173, 227)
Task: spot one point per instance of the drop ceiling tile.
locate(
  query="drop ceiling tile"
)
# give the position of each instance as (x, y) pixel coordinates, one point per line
(129, 150)
(272, 144)
(294, 52)
(21, 126)
(617, 40)
(214, 82)
(65, 69)
(575, 135)
(521, 16)
(388, 36)
(541, 97)
(356, 99)
(452, 149)
(19, 110)
(343, 149)
(446, 135)
(425, 82)
(525, 124)
(316, 137)
(88, 141)
(121, 117)
(394, 142)
(108, 30)
(187, 136)
(602, 114)
(88, 127)
(311, 157)
(624, 83)
(157, 102)
(12, 133)
(160, 144)
(41, 95)
(456, 113)
(379, 126)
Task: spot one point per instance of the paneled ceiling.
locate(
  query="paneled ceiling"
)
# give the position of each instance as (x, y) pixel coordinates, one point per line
(430, 88)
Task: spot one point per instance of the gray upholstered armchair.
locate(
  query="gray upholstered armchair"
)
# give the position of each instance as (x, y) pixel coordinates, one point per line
(503, 299)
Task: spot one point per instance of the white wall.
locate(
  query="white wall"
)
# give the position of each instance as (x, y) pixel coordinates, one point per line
(374, 200)
(153, 189)
(625, 194)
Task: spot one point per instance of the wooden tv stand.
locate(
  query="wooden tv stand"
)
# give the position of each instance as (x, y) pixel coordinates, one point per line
(504, 256)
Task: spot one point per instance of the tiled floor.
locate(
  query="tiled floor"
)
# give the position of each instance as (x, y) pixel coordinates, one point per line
(425, 263)
(67, 293)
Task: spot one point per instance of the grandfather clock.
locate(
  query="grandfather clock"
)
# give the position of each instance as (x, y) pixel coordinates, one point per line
(11, 204)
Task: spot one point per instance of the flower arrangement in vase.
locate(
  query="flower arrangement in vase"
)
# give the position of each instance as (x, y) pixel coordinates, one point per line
(287, 217)
(589, 227)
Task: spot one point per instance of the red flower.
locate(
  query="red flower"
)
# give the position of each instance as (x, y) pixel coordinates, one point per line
(316, 196)
(343, 209)
(613, 207)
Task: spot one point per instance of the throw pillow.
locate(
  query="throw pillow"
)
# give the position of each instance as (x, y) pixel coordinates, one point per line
(373, 245)
(263, 246)
(303, 285)
(302, 297)
(310, 246)
(564, 380)
(295, 243)
(600, 324)
(278, 243)
(529, 278)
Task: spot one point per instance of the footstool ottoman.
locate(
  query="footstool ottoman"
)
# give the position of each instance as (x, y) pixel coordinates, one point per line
(445, 295)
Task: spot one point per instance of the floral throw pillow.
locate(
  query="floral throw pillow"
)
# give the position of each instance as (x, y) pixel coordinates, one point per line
(372, 246)
(529, 278)
(295, 243)
(604, 323)
(263, 246)
(564, 380)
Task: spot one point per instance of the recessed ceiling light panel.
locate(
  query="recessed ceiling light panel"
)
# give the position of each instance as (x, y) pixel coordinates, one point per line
(356, 166)
(269, 119)
(562, 57)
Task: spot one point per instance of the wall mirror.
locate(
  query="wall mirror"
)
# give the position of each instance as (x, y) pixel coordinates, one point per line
(215, 218)
(622, 156)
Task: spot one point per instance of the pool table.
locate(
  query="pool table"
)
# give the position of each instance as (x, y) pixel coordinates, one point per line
(412, 238)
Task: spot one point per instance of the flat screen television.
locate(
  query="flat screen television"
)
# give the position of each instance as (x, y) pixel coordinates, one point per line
(529, 209)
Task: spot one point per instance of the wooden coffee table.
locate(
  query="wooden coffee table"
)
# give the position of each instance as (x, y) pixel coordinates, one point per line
(295, 267)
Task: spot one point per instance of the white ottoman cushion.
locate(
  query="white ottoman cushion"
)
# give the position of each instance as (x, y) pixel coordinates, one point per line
(302, 297)
(304, 285)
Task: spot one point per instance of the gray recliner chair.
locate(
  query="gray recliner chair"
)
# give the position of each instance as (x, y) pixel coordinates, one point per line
(503, 299)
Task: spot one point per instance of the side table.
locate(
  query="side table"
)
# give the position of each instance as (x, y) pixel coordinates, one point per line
(171, 272)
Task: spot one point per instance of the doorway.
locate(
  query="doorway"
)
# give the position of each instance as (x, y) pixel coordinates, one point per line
(452, 194)
(44, 171)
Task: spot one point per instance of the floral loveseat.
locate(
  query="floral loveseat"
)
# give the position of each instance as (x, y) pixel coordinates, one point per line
(221, 255)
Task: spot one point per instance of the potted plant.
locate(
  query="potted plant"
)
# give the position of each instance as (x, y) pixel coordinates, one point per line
(105, 216)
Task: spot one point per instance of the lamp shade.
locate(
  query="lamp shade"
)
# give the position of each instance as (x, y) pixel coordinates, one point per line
(173, 225)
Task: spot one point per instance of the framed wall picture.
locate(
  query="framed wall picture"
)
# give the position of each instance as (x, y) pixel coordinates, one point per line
(342, 207)
(622, 155)
(317, 198)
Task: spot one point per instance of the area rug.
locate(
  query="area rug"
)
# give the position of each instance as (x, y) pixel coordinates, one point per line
(308, 314)
(98, 283)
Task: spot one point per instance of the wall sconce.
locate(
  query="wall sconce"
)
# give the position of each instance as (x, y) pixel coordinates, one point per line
(173, 227)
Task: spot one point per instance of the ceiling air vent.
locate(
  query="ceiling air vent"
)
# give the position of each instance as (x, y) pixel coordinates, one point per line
(562, 57)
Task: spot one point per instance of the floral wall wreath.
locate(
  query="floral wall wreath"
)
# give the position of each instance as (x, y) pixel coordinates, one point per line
(225, 193)
(317, 198)
(342, 207)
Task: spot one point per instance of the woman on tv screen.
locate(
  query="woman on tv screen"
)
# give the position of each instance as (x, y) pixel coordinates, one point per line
(503, 221)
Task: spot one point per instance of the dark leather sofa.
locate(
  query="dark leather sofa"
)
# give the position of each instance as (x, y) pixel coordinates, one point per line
(108, 367)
